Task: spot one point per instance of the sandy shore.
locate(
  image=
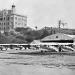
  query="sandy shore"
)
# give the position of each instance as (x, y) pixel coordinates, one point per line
(33, 70)
(21, 69)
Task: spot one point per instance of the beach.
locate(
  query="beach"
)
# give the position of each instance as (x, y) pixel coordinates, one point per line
(15, 64)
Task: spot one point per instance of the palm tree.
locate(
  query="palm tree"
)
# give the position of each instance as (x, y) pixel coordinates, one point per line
(59, 24)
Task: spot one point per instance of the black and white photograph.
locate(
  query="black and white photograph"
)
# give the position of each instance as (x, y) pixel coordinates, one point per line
(37, 37)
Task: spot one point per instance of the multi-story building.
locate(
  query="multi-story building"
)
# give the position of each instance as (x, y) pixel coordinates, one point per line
(9, 20)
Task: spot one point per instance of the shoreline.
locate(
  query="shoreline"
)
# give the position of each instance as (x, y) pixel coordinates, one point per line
(43, 53)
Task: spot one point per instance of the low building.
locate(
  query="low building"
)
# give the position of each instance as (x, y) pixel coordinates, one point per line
(9, 20)
(58, 38)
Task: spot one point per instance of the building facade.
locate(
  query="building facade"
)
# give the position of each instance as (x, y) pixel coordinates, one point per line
(9, 20)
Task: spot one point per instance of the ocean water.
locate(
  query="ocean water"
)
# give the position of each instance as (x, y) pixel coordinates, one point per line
(38, 64)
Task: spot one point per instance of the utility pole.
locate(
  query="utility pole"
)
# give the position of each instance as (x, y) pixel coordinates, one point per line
(59, 23)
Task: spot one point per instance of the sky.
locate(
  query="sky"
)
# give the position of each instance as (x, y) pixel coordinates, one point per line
(43, 13)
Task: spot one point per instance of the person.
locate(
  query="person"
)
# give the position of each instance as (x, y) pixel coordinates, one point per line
(59, 48)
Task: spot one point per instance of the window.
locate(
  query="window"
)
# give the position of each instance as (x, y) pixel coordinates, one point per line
(8, 18)
(56, 36)
(1, 19)
(19, 23)
(8, 27)
(4, 28)
(19, 19)
(4, 18)
(4, 23)
(11, 23)
(16, 18)
(8, 23)
(24, 19)
(11, 18)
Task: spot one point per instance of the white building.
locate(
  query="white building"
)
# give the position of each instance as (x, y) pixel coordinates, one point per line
(9, 20)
